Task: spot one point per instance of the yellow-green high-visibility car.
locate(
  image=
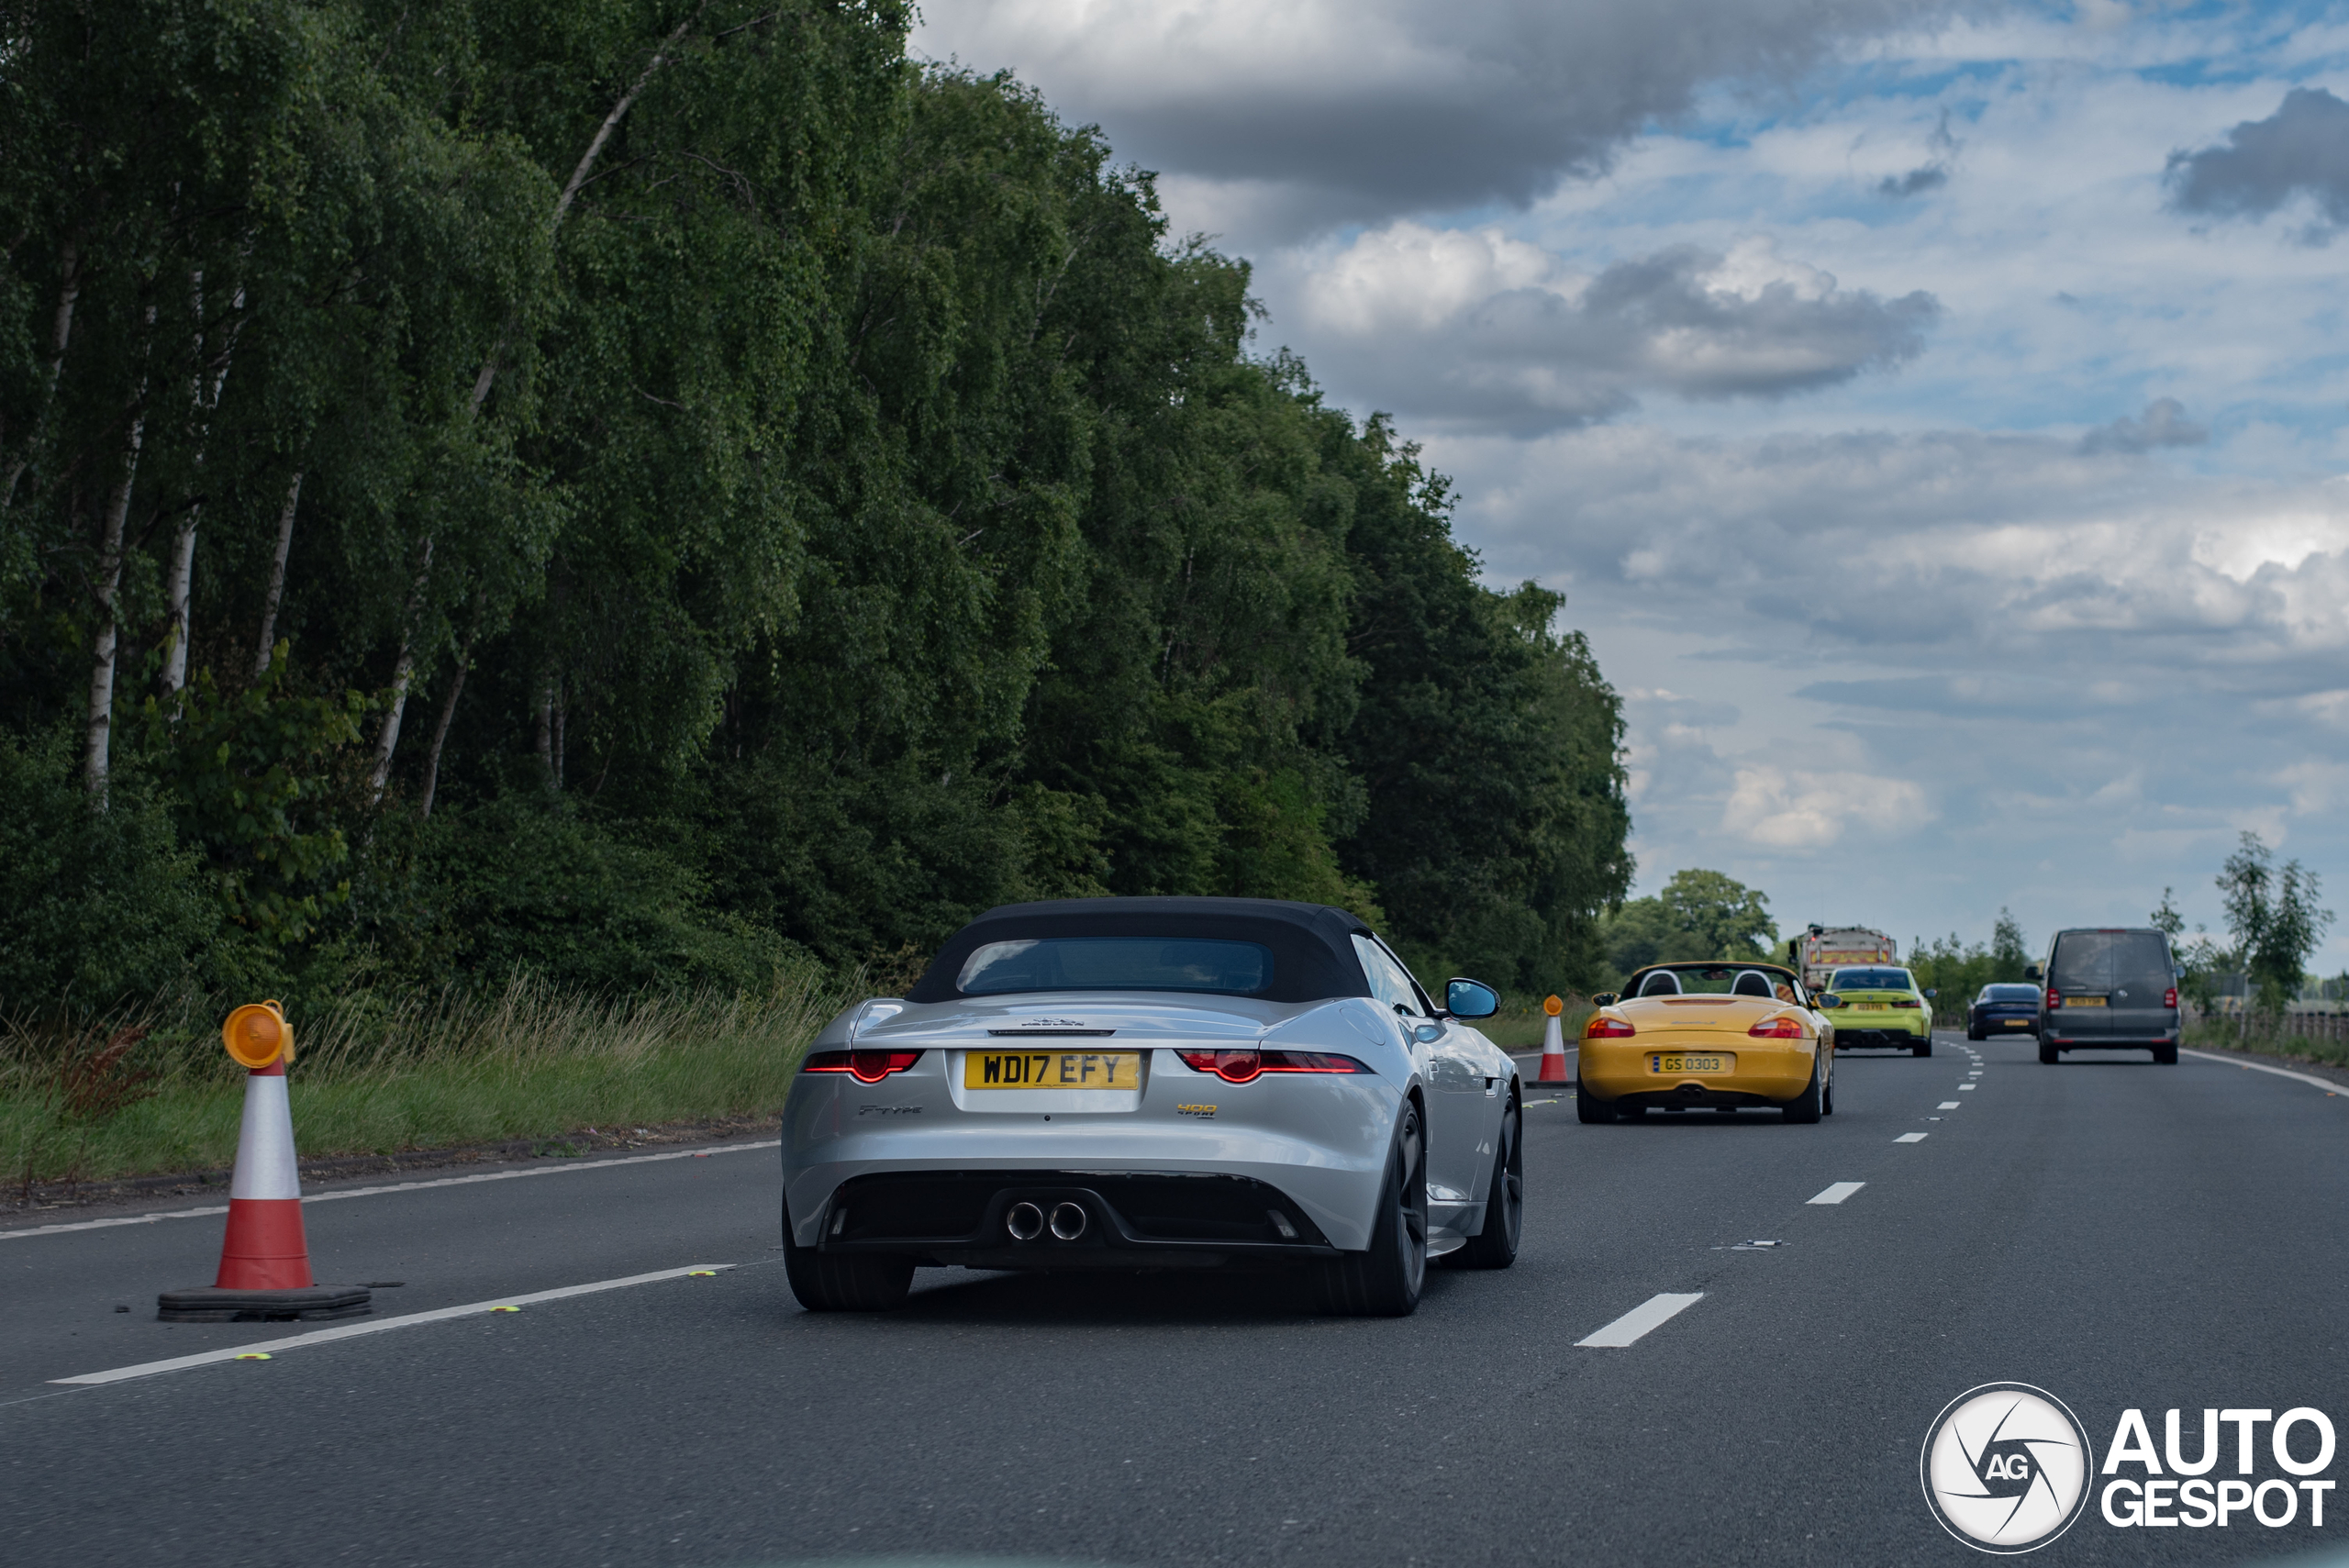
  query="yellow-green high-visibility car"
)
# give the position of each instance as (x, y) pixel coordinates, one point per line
(1881, 1006)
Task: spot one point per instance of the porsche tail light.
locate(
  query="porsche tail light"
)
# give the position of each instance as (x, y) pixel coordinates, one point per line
(1246, 1066)
(2169, 997)
(1777, 1028)
(864, 1066)
(1604, 1028)
(2054, 999)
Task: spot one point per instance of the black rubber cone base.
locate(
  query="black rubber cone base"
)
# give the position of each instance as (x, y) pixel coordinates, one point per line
(210, 1304)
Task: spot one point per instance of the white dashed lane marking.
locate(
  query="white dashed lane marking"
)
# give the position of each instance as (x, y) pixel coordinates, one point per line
(1910, 1137)
(1838, 1192)
(1963, 1087)
(1948, 1105)
(1640, 1321)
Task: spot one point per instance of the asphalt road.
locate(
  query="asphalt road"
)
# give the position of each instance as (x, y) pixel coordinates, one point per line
(2120, 1234)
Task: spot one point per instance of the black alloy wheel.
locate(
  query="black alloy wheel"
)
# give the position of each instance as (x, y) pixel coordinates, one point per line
(1805, 1107)
(844, 1282)
(2166, 1055)
(1385, 1281)
(1827, 1091)
(1494, 1246)
(2046, 1053)
(1588, 1106)
(1923, 1047)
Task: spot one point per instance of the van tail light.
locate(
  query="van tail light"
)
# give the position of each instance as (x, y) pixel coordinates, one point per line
(2054, 999)
(864, 1066)
(2169, 997)
(1246, 1066)
(1604, 1028)
(1777, 1028)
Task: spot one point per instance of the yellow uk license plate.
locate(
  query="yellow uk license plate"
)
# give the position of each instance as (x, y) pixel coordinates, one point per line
(1677, 1062)
(1052, 1070)
(2018, 1023)
(2084, 1001)
(1873, 1007)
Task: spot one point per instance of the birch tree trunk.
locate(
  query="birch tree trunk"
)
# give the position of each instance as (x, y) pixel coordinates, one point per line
(440, 729)
(97, 749)
(387, 739)
(202, 402)
(61, 333)
(277, 577)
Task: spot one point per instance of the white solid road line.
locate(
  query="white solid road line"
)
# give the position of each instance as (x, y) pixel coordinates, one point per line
(1838, 1192)
(402, 1187)
(1910, 1137)
(1640, 1320)
(2329, 1086)
(378, 1325)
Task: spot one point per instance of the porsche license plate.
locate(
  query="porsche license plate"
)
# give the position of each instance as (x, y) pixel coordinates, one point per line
(1052, 1070)
(2084, 1001)
(2018, 1023)
(1678, 1061)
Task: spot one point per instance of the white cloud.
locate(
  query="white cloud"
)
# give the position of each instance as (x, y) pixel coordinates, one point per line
(1798, 810)
(1471, 327)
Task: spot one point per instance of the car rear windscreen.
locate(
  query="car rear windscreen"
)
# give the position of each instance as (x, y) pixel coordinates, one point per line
(1117, 964)
(2010, 993)
(1871, 979)
(2141, 965)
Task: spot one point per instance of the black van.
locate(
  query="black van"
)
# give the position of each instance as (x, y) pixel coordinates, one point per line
(2110, 989)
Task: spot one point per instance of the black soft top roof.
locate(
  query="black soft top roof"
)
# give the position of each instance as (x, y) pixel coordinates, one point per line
(1312, 944)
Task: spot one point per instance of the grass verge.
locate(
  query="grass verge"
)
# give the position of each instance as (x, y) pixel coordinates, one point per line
(373, 1077)
(2221, 1035)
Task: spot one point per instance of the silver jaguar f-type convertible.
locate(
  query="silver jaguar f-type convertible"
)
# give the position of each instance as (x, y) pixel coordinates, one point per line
(1155, 1083)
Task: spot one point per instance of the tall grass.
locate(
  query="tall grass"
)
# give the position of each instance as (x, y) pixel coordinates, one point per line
(2272, 1039)
(373, 1075)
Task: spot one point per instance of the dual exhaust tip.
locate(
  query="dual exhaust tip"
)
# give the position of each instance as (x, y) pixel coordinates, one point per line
(1026, 1221)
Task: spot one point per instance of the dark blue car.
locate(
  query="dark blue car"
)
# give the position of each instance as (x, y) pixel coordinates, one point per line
(2003, 1009)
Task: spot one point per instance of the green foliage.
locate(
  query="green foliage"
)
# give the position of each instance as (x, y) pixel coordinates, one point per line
(1699, 914)
(770, 500)
(246, 775)
(2275, 920)
(93, 906)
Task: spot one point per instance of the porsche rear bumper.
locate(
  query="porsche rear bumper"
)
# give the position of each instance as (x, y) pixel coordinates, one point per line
(1767, 1073)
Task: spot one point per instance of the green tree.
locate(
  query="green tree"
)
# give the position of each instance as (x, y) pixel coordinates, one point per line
(1699, 914)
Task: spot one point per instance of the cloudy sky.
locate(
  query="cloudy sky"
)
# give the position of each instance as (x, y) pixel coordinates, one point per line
(1937, 414)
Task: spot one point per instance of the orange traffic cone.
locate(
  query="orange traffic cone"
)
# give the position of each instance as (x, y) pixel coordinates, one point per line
(1554, 1045)
(265, 1257)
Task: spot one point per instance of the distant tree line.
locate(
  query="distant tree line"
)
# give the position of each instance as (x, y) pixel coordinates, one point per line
(649, 492)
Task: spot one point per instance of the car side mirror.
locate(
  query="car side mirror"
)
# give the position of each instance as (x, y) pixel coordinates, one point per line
(2030, 971)
(1470, 999)
(1427, 1034)
(1931, 993)
(1605, 998)
(1829, 999)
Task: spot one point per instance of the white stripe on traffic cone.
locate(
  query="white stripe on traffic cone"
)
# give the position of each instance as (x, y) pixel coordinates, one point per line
(1554, 1045)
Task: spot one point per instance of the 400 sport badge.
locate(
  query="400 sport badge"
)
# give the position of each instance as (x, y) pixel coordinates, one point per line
(2005, 1468)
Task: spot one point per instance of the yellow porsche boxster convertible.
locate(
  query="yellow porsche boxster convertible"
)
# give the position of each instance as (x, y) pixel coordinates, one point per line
(1718, 1037)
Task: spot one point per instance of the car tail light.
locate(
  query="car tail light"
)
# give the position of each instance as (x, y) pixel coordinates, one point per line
(2054, 999)
(1604, 1028)
(1246, 1066)
(1911, 1003)
(1777, 1028)
(864, 1066)
(2169, 997)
